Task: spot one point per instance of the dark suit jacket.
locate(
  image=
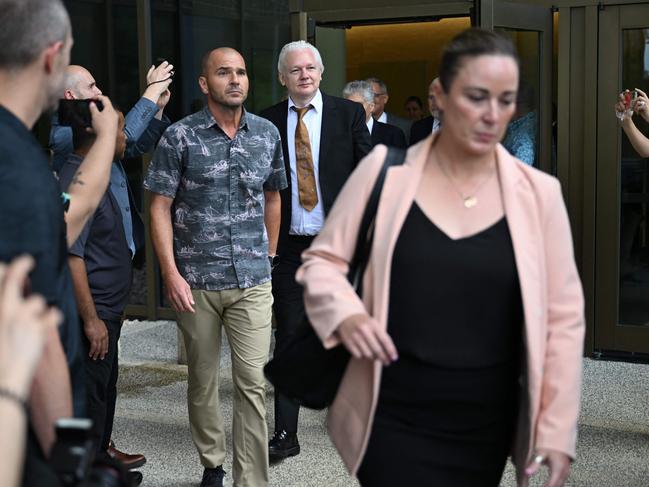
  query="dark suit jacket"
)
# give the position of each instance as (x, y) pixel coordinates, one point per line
(344, 141)
(386, 134)
(421, 129)
(403, 123)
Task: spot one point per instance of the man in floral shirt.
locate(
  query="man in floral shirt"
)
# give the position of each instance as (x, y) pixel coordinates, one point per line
(215, 215)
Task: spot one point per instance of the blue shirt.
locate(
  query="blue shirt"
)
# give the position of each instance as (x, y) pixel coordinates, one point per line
(520, 139)
(218, 185)
(136, 122)
(119, 189)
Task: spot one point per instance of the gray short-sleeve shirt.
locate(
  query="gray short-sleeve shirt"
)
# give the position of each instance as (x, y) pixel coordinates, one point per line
(218, 184)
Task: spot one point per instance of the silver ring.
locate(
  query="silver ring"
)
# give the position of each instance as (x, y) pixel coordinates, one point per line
(539, 459)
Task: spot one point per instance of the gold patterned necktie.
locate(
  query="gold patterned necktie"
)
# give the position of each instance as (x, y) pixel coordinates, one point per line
(304, 162)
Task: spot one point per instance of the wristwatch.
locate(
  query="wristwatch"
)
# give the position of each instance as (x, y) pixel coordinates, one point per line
(274, 261)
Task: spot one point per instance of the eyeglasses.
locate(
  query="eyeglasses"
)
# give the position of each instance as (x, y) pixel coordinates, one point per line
(379, 94)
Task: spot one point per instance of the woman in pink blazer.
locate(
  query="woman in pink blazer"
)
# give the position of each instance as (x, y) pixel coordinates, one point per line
(467, 344)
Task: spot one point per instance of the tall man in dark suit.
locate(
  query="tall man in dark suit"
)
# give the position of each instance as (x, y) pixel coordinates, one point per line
(426, 126)
(323, 139)
(382, 133)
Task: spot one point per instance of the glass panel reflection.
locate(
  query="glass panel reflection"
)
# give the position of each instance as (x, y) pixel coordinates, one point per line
(634, 193)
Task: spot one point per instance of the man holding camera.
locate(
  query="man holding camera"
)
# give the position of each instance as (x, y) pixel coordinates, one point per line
(101, 259)
(145, 122)
(36, 40)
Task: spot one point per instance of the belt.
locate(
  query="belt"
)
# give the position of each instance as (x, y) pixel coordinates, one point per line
(302, 238)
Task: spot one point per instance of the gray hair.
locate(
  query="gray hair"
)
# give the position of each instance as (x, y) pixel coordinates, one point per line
(298, 46)
(28, 27)
(380, 82)
(361, 88)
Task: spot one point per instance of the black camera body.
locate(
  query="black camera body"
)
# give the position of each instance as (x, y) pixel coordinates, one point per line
(74, 461)
(76, 113)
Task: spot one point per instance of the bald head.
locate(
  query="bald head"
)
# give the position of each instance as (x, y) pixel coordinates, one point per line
(213, 57)
(224, 79)
(79, 84)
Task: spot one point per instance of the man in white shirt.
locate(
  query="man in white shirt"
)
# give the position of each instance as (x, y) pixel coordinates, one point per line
(382, 133)
(323, 139)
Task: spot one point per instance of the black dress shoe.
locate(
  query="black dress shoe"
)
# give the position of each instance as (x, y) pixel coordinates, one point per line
(282, 445)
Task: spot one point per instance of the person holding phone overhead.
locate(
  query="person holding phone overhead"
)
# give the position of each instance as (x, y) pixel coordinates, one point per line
(467, 344)
(627, 105)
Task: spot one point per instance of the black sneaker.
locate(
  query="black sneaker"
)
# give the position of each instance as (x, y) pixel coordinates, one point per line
(213, 477)
(282, 445)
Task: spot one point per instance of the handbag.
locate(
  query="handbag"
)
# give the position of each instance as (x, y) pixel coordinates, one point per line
(305, 371)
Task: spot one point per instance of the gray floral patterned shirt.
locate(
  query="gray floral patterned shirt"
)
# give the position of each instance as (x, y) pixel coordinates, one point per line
(218, 184)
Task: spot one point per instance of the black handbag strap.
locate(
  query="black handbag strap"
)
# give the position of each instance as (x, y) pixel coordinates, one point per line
(394, 157)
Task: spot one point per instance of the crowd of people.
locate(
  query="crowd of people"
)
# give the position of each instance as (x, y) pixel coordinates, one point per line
(255, 216)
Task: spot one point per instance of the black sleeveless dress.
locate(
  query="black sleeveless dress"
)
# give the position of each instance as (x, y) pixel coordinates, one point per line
(447, 407)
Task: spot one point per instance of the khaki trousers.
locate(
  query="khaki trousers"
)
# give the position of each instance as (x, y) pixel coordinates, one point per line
(246, 316)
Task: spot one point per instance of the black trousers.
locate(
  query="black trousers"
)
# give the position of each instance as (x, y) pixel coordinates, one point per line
(290, 316)
(101, 387)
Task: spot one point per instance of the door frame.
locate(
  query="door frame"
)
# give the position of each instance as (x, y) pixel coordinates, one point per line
(609, 335)
(529, 17)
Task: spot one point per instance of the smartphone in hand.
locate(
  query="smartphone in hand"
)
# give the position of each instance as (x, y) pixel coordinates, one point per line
(76, 113)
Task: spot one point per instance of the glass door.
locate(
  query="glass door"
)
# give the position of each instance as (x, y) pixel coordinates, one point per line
(529, 136)
(622, 242)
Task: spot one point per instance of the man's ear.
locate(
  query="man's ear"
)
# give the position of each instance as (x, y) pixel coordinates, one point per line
(438, 91)
(68, 95)
(202, 82)
(51, 54)
(281, 79)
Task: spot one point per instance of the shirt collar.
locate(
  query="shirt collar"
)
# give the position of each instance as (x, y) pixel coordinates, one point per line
(383, 118)
(316, 102)
(370, 124)
(209, 120)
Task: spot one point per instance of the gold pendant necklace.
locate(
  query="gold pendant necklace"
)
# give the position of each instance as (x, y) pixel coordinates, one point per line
(470, 200)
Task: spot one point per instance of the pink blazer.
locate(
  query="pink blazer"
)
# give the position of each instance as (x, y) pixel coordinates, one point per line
(550, 287)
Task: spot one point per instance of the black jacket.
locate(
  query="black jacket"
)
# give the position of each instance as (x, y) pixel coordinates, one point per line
(386, 134)
(421, 129)
(344, 141)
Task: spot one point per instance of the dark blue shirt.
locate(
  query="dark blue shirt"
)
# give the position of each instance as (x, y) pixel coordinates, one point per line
(103, 247)
(31, 221)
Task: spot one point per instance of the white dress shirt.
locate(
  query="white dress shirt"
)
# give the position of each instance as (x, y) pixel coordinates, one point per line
(383, 118)
(305, 222)
(370, 124)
